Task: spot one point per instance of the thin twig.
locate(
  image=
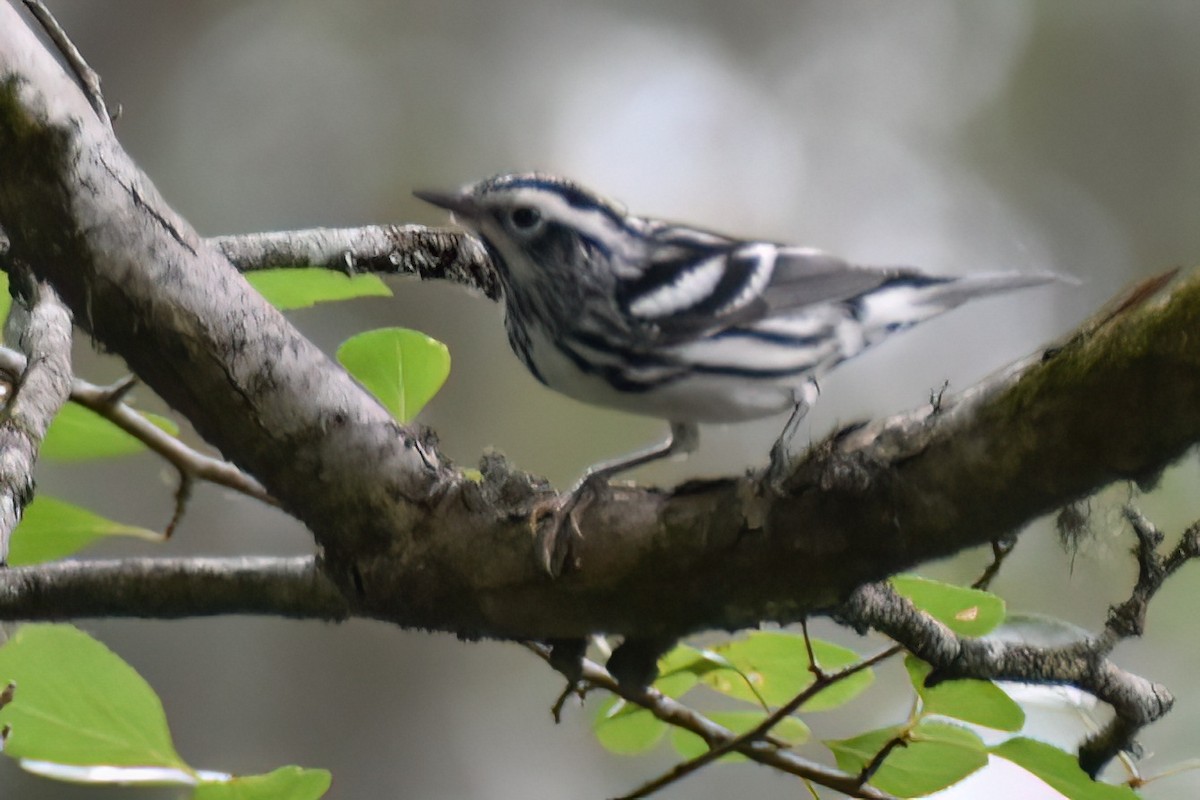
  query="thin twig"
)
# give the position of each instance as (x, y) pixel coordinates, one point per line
(872, 766)
(813, 666)
(675, 713)
(1001, 548)
(89, 79)
(182, 495)
(104, 400)
(823, 681)
(178, 454)
(116, 392)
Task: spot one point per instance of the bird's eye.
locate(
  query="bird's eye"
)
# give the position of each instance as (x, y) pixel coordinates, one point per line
(525, 218)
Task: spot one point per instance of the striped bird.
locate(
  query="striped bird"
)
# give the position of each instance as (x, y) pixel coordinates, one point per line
(680, 323)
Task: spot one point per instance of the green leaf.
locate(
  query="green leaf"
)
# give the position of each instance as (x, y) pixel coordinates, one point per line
(936, 755)
(81, 714)
(629, 729)
(689, 745)
(5, 299)
(976, 701)
(306, 286)
(967, 612)
(51, 529)
(683, 658)
(1059, 769)
(686, 660)
(775, 664)
(676, 684)
(402, 368)
(77, 702)
(77, 434)
(856, 752)
(626, 729)
(285, 783)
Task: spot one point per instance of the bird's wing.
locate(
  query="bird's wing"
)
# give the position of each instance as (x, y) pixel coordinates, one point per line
(697, 287)
(694, 282)
(804, 277)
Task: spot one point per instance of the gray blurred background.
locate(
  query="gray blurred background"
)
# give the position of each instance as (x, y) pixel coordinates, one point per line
(955, 136)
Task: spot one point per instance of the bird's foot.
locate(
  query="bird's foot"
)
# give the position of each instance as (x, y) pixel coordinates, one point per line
(556, 529)
(635, 662)
(781, 454)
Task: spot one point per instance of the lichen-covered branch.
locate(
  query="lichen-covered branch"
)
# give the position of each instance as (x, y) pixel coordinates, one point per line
(426, 253)
(1084, 664)
(146, 286)
(171, 588)
(43, 328)
(409, 539)
(1135, 710)
(405, 537)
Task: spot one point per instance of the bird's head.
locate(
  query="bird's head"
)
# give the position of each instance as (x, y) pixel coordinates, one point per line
(535, 226)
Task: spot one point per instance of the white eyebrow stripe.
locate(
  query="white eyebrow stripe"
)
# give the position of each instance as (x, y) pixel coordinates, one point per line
(593, 223)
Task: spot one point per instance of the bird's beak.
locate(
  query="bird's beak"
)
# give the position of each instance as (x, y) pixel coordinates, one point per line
(461, 204)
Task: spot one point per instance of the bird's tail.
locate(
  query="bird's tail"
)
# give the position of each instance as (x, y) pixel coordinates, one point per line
(910, 299)
(953, 292)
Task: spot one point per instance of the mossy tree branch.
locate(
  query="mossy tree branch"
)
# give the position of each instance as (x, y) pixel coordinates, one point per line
(407, 538)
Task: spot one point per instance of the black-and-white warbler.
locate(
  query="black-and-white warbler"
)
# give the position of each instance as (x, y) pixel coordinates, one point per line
(679, 323)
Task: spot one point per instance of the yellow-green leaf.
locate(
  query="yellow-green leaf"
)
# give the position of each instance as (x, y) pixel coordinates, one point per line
(77, 702)
(935, 755)
(401, 367)
(1060, 770)
(52, 529)
(77, 434)
(5, 299)
(967, 612)
(773, 666)
(301, 287)
(627, 729)
(976, 701)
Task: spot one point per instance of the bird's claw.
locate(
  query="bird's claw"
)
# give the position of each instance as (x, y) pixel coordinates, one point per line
(556, 530)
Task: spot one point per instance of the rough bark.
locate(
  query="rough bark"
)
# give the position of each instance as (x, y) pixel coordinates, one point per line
(406, 538)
